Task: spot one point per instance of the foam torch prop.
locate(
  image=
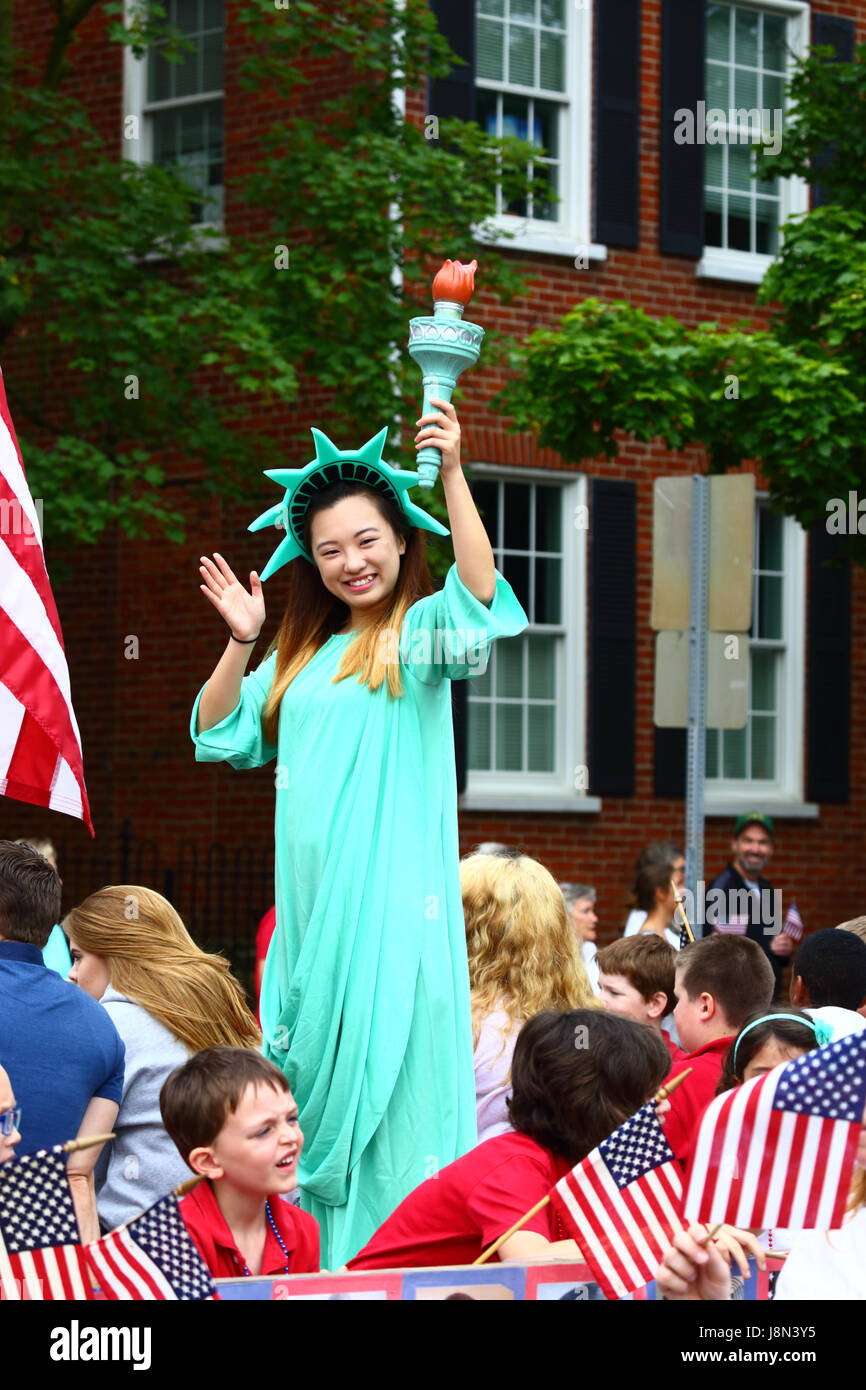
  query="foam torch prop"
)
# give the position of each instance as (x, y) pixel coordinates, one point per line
(443, 346)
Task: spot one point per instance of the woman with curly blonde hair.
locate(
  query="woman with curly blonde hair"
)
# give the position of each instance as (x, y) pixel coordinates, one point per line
(167, 999)
(523, 958)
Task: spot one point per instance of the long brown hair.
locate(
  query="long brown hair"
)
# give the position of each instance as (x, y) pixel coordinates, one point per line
(313, 614)
(153, 960)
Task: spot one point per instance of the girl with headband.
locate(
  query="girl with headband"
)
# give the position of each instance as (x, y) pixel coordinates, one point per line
(365, 997)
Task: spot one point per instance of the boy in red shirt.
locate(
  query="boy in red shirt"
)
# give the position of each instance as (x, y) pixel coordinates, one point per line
(721, 981)
(233, 1119)
(636, 981)
(575, 1077)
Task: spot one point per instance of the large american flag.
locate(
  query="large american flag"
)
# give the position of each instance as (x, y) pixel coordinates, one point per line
(152, 1257)
(40, 746)
(623, 1202)
(779, 1150)
(41, 1257)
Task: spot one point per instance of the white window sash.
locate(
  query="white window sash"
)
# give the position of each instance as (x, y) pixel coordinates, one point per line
(570, 718)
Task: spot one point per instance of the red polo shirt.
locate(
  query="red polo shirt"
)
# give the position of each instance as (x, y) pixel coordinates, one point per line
(455, 1215)
(209, 1229)
(691, 1099)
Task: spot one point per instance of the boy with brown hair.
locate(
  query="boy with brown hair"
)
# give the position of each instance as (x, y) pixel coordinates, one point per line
(721, 981)
(233, 1119)
(636, 980)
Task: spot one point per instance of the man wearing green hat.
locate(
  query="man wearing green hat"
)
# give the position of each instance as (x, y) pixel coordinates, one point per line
(744, 902)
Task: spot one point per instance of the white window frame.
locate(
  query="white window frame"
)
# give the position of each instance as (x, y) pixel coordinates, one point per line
(138, 147)
(724, 796)
(571, 235)
(555, 791)
(750, 267)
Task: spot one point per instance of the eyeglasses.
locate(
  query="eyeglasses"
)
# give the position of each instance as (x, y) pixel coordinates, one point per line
(9, 1120)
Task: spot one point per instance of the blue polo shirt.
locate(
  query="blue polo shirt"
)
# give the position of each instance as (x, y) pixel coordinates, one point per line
(58, 1045)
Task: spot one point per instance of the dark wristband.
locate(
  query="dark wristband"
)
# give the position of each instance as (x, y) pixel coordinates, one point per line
(245, 641)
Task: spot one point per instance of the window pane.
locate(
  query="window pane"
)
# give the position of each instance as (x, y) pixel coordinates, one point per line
(548, 591)
(746, 36)
(509, 670)
(734, 753)
(769, 607)
(767, 228)
(774, 42)
(739, 222)
(186, 76)
(541, 667)
(485, 109)
(516, 516)
(718, 32)
(214, 15)
(552, 59)
(769, 540)
(548, 518)
(545, 127)
(516, 571)
(763, 692)
(541, 738)
(212, 62)
(496, 7)
(774, 95)
(159, 75)
(545, 188)
(521, 56)
(713, 221)
(523, 9)
(478, 736)
(509, 738)
(515, 117)
(739, 167)
(553, 13)
(486, 495)
(713, 165)
(712, 761)
(718, 83)
(489, 44)
(764, 746)
(185, 15)
(745, 88)
(482, 685)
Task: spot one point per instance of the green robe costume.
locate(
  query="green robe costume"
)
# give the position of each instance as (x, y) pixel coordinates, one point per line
(365, 998)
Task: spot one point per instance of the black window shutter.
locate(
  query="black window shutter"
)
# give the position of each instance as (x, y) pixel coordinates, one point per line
(840, 34)
(454, 95)
(669, 764)
(459, 710)
(617, 122)
(828, 688)
(681, 190)
(612, 636)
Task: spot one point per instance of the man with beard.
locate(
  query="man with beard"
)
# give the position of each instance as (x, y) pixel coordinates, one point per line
(741, 901)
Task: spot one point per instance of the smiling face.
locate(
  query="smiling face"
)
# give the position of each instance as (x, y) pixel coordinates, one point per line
(258, 1147)
(753, 850)
(357, 554)
(89, 971)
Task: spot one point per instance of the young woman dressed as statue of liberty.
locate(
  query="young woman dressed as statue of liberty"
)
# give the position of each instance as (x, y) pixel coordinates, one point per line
(365, 998)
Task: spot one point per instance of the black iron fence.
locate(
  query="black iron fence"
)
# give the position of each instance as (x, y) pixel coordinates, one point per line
(220, 891)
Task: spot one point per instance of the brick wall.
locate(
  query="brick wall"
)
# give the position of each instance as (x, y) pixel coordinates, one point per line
(134, 712)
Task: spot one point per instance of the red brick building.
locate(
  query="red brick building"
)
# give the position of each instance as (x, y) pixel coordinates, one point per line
(563, 759)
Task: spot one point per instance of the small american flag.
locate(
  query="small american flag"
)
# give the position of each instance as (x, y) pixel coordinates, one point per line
(779, 1151)
(793, 923)
(40, 746)
(151, 1258)
(622, 1204)
(41, 1257)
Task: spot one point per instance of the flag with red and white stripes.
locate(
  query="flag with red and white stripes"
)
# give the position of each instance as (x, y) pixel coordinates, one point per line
(151, 1258)
(623, 1204)
(779, 1150)
(41, 1257)
(793, 924)
(40, 746)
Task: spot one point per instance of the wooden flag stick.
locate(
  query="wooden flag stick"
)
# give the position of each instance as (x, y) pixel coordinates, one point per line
(187, 1186)
(679, 902)
(670, 1086)
(660, 1095)
(74, 1145)
(492, 1249)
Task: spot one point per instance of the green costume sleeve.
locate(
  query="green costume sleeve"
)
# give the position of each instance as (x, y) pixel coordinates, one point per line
(238, 739)
(449, 634)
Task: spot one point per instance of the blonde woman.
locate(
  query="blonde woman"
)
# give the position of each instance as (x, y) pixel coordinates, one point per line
(523, 958)
(167, 999)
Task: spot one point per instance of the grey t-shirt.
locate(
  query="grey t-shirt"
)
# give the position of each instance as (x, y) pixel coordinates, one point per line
(142, 1164)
